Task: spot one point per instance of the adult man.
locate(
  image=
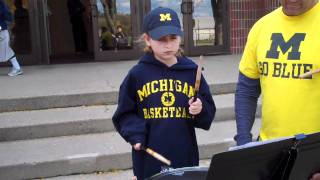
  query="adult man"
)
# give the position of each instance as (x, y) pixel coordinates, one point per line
(280, 47)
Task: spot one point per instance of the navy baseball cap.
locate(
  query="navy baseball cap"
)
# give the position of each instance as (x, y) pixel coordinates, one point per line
(161, 22)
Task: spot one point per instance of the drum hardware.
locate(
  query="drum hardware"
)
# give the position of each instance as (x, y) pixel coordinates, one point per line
(186, 173)
(166, 169)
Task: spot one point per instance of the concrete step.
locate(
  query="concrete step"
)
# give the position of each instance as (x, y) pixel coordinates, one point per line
(57, 101)
(117, 175)
(81, 99)
(49, 157)
(22, 125)
(225, 107)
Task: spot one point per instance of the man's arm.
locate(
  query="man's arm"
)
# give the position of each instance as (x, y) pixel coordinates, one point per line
(316, 176)
(246, 97)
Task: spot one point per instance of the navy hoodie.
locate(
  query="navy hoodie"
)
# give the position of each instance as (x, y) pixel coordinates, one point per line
(153, 110)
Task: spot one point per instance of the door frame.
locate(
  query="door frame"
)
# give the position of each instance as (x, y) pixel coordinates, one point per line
(44, 32)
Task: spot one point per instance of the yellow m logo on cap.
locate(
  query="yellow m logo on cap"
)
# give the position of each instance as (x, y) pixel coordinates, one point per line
(165, 17)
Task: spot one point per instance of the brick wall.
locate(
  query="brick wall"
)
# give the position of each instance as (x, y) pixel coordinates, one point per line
(243, 14)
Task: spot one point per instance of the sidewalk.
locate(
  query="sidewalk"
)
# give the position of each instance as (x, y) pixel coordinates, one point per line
(64, 79)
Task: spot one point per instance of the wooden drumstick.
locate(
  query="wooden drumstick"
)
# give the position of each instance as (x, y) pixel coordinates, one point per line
(310, 73)
(198, 78)
(156, 155)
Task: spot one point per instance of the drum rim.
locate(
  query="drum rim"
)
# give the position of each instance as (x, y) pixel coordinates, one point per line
(184, 169)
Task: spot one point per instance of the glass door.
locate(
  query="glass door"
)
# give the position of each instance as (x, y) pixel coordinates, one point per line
(209, 28)
(115, 29)
(24, 30)
(204, 22)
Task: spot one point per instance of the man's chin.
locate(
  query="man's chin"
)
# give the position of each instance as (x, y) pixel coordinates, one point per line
(293, 10)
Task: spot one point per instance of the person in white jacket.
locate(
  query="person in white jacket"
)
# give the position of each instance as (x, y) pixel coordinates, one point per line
(6, 52)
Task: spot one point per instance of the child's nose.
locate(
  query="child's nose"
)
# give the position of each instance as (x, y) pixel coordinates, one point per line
(167, 43)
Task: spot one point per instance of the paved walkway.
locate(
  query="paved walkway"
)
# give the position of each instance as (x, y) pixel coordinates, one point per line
(64, 79)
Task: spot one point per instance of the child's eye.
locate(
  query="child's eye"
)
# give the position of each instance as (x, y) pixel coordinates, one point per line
(168, 38)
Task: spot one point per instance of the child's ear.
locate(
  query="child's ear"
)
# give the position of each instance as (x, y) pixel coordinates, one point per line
(147, 39)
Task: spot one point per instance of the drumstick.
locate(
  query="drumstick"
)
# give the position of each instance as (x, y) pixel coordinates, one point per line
(156, 155)
(308, 74)
(198, 79)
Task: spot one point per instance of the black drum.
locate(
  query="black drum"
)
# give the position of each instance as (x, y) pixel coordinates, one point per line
(187, 173)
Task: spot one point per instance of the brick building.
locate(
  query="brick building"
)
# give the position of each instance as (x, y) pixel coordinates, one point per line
(243, 14)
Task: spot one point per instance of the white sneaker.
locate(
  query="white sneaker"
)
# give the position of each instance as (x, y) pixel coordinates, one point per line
(15, 72)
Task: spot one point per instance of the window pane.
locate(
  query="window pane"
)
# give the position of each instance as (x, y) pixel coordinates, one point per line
(207, 26)
(114, 22)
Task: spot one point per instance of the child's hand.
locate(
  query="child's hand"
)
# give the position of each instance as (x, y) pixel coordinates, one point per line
(137, 147)
(195, 107)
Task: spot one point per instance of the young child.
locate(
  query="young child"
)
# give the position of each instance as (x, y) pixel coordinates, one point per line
(156, 107)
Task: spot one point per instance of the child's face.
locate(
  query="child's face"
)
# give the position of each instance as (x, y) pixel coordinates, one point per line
(165, 48)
